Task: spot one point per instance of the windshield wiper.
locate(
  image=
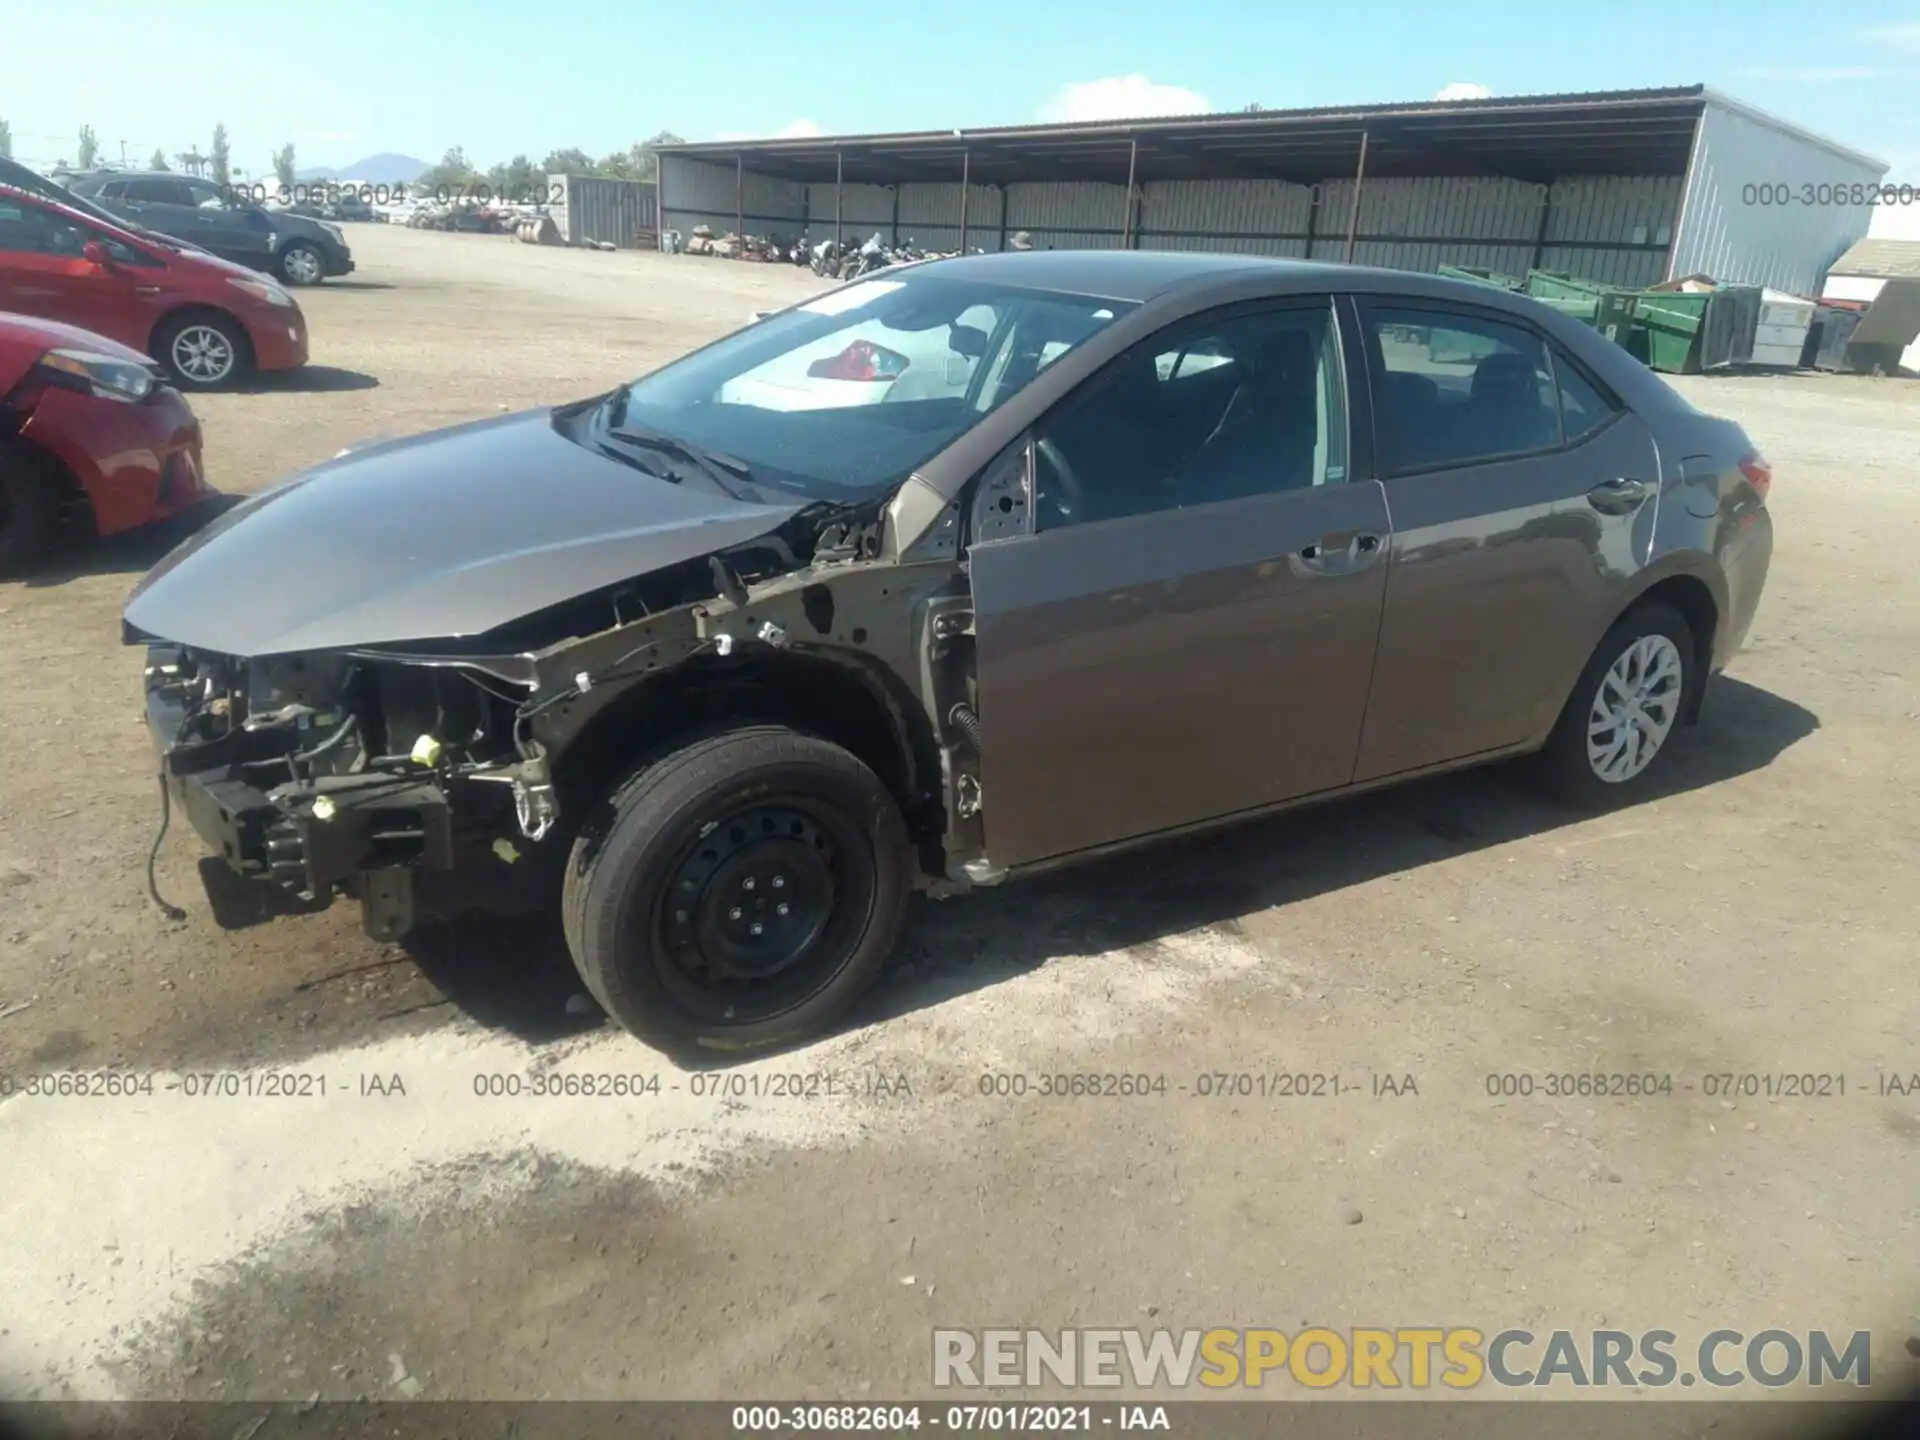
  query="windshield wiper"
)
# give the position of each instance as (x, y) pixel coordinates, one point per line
(723, 470)
(606, 446)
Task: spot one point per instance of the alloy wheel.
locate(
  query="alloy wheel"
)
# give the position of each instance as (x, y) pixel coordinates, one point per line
(203, 354)
(1634, 709)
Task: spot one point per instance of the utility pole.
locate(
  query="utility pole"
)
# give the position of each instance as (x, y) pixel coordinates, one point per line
(123, 154)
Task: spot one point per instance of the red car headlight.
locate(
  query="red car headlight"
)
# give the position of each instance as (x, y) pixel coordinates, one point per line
(104, 376)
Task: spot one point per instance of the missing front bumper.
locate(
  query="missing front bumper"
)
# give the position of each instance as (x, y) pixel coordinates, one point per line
(367, 834)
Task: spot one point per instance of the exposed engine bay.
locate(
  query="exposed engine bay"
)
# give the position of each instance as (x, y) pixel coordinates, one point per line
(447, 776)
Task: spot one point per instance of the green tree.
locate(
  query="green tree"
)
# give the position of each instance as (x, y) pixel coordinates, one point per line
(567, 162)
(637, 161)
(222, 157)
(283, 165)
(516, 180)
(6, 141)
(192, 161)
(89, 147)
(454, 171)
(159, 161)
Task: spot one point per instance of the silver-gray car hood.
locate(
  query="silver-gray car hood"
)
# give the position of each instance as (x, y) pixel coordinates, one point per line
(447, 534)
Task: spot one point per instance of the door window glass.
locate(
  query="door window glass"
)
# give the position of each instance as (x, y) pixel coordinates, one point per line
(1583, 407)
(204, 196)
(1459, 389)
(27, 229)
(158, 191)
(1212, 410)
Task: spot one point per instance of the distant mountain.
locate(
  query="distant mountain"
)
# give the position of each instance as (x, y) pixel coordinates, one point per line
(382, 169)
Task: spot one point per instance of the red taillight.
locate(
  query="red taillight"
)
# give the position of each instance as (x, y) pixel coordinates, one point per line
(1758, 472)
(862, 360)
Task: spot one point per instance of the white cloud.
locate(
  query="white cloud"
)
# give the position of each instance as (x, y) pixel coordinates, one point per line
(1122, 97)
(792, 130)
(1900, 37)
(1463, 90)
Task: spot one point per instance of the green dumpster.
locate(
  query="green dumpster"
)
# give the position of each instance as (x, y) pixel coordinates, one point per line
(1671, 321)
(1480, 276)
(1610, 309)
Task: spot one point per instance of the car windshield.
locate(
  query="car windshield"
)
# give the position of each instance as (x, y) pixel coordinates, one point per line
(844, 395)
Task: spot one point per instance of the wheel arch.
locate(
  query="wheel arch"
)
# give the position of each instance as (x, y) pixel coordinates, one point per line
(855, 705)
(76, 506)
(1688, 592)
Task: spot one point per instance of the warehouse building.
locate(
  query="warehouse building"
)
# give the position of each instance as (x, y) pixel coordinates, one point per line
(1625, 187)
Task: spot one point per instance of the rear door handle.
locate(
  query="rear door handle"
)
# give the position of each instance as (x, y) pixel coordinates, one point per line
(1617, 497)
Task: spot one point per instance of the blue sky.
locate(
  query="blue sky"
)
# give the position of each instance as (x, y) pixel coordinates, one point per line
(500, 78)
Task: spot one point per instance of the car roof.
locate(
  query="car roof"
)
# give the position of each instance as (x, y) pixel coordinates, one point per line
(1140, 276)
(1129, 275)
(93, 175)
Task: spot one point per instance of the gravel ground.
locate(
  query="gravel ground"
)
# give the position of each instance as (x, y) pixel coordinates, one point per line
(403, 1235)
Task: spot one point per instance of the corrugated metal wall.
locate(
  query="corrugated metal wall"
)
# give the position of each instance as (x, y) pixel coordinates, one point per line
(693, 192)
(1729, 230)
(1068, 214)
(1251, 217)
(1611, 228)
(593, 209)
(929, 214)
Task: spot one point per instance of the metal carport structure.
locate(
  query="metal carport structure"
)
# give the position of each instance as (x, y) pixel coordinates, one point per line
(1626, 186)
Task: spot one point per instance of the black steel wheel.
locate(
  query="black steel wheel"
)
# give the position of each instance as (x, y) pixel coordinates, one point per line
(739, 892)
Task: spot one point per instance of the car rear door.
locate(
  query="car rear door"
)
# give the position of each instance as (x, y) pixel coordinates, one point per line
(1523, 497)
(1186, 628)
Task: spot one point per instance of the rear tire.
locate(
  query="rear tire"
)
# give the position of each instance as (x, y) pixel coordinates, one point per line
(739, 892)
(29, 510)
(1625, 710)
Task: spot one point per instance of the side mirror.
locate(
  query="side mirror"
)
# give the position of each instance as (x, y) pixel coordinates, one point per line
(96, 252)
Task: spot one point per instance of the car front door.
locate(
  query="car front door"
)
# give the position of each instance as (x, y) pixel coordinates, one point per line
(45, 272)
(1186, 628)
(1523, 497)
(227, 224)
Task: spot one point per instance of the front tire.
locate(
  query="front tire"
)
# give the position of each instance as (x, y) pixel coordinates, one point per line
(301, 264)
(1625, 710)
(739, 892)
(203, 350)
(29, 510)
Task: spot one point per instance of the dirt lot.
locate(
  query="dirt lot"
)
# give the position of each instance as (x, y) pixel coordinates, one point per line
(1757, 918)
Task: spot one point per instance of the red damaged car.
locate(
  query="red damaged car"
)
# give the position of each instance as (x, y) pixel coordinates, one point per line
(90, 431)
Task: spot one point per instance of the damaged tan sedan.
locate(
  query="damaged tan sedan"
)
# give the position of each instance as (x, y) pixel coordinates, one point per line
(936, 579)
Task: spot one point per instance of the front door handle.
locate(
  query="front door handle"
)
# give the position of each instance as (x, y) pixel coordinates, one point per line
(1618, 497)
(1340, 545)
